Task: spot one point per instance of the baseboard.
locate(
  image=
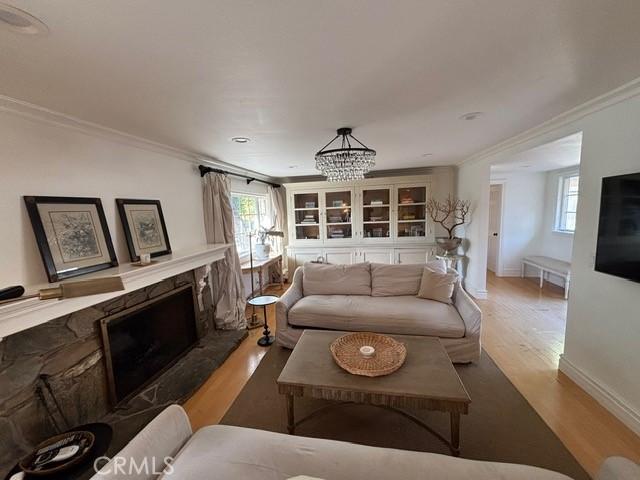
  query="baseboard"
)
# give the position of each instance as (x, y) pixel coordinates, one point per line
(480, 294)
(510, 272)
(602, 394)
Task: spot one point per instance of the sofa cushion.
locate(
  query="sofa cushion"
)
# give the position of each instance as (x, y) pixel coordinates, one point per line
(403, 315)
(394, 280)
(322, 279)
(230, 453)
(437, 286)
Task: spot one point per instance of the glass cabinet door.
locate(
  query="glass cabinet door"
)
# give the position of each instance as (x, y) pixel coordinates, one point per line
(376, 213)
(306, 209)
(338, 214)
(412, 211)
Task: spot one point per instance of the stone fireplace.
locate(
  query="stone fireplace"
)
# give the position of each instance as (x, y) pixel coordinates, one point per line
(63, 363)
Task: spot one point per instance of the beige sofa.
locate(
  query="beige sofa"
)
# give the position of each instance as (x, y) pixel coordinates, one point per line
(231, 453)
(379, 298)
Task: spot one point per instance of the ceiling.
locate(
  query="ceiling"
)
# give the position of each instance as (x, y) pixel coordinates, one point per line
(287, 73)
(562, 153)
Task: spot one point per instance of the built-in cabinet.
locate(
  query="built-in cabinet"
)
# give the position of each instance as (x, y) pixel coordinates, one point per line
(380, 220)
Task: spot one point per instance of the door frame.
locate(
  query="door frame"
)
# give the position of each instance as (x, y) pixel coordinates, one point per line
(503, 185)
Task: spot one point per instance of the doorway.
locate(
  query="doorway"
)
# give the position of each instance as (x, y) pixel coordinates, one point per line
(495, 224)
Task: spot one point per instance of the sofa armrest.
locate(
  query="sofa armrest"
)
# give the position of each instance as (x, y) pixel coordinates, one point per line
(618, 468)
(288, 300)
(468, 310)
(162, 438)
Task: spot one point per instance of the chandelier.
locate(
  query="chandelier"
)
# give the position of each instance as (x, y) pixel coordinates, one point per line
(347, 162)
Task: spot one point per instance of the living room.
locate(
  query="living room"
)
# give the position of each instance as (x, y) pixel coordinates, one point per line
(252, 240)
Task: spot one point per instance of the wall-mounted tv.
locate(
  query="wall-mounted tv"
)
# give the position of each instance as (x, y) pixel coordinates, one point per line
(618, 251)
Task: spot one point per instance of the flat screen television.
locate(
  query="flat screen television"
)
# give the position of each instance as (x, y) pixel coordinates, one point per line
(618, 251)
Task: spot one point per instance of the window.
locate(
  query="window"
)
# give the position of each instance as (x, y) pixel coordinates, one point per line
(567, 203)
(249, 214)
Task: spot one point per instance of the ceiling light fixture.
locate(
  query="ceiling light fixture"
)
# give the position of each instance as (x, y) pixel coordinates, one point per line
(471, 116)
(347, 162)
(240, 139)
(20, 21)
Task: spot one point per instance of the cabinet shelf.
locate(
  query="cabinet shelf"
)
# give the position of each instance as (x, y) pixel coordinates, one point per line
(372, 222)
(386, 205)
(412, 221)
(411, 204)
(301, 209)
(338, 208)
(337, 223)
(307, 224)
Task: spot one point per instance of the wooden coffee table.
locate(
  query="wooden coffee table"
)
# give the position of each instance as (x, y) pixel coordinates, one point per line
(427, 380)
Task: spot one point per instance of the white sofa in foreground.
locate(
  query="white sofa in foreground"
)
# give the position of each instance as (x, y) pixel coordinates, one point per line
(232, 453)
(377, 298)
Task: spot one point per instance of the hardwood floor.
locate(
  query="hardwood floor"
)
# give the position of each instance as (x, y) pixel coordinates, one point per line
(523, 331)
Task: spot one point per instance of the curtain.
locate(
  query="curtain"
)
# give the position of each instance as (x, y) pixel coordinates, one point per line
(226, 277)
(278, 208)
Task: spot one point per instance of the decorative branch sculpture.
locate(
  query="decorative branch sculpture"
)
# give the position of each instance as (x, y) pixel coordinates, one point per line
(451, 213)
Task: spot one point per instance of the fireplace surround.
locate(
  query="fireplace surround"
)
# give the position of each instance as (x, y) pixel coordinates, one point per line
(68, 354)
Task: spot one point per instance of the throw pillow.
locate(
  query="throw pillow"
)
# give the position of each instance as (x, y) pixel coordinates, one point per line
(437, 286)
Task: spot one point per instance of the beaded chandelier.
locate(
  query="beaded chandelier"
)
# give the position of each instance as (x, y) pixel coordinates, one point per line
(347, 162)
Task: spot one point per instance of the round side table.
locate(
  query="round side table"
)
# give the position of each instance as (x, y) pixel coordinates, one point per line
(102, 433)
(263, 301)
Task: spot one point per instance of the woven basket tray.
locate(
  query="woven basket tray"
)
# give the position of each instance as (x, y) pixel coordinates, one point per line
(389, 355)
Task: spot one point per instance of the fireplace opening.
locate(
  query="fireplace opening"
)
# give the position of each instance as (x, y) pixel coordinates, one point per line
(143, 341)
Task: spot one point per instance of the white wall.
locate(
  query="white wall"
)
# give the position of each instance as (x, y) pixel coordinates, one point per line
(473, 185)
(603, 325)
(40, 158)
(522, 218)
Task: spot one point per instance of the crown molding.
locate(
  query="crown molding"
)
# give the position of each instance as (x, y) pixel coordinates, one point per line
(42, 114)
(620, 94)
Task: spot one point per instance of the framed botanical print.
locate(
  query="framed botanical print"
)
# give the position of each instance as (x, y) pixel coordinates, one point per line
(144, 227)
(72, 235)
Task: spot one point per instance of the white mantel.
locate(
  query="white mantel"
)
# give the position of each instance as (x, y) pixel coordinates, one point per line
(22, 315)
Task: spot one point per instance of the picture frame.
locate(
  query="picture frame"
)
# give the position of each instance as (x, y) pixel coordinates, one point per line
(72, 235)
(144, 227)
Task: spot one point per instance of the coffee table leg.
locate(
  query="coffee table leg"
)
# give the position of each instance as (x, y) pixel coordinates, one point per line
(291, 425)
(455, 433)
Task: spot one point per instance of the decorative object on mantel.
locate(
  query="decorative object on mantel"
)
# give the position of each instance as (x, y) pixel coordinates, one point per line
(263, 249)
(451, 214)
(9, 293)
(72, 235)
(144, 228)
(80, 288)
(347, 162)
(368, 354)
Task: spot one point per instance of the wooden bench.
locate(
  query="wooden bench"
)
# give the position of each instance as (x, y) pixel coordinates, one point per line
(548, 265)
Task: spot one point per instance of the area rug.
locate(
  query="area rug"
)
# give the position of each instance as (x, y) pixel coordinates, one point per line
(501, 425)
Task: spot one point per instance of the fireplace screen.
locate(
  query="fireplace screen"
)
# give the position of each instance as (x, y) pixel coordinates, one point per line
(142, 341)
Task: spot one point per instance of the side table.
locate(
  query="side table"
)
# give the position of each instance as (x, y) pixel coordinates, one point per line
(264, 301)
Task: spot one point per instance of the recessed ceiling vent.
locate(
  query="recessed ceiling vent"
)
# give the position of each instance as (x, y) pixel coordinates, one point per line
(20, 21)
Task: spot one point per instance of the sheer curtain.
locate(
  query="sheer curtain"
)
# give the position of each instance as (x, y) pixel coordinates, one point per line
(226, 277)
(278, 212)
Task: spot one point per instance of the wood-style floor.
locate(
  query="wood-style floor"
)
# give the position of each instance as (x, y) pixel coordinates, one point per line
(523, 331)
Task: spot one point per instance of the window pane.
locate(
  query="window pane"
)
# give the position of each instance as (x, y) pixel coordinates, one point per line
(572, 203)
(247, 214)
(570, 222)
(573, 184)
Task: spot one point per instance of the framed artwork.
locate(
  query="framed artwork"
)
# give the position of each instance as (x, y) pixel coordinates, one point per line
(72, 235)
(144, 227)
